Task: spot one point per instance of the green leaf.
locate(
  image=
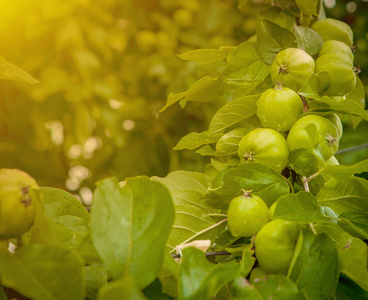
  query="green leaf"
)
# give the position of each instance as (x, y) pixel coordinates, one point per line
(272, 38)
(275, 287)
(200, 279)
(353, 257)
(315, 84)
(303, 162)
(344, 195)
(12, 72)
(234, 112)
(356, 223)
(67, 217)
(206, 150)
(348, 290)
(245, 66)
(315, 270)
(308, 40)
(348, 107)
(301, 207)
(123, 288)
(142, 213)
(341, 172)
(308, 7)
(43, 272)
(194, 140)
(357, 95)
(96, 277)
(248, 260)
(279, 16)
(205, 56)
(261, 179)
(191, 212)
(205, 89)
(228, 144)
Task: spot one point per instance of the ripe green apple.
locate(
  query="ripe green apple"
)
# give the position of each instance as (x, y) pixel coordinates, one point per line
(279, 108)
(265, 146)
(336, 46)
(246, 215)
(331, 29)
(275, 245)
(292, 67)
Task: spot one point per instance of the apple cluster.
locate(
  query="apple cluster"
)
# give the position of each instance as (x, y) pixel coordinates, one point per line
(287, 125)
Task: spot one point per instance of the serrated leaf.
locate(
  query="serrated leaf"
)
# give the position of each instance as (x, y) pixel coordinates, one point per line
(272, 38)
(200, 279)
(356, 223)
(308, 7)
(123, 288)
(276, 287)
(245, 66)
(315, 270)
(12, 72)
(344, 195)
(67, 217)
(303, 162)
(341, 172)
(191, 212)
(43, 272)
(233, 113)
(142, 212)
(228, 144)
(308, 40)
(205, 56)
(353, 257)
(261, 179)
(194, 140)
(301, 207)
(205, 89)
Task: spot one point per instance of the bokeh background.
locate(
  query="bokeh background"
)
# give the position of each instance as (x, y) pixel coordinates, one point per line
(106, 68)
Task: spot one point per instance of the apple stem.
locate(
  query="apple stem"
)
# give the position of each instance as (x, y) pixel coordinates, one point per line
(247, 193)
(305, 183)
(314, 175)
(278, 86)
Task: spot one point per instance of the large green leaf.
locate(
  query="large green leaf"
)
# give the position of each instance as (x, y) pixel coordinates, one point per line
(245, 66)
(67, 217)
(191, 212)
(43, 272)
(205, 89)
(341, 172)
(275, 287)
(315, 268)
(234, 112)
(205, 56)
(303, 162)
(200, 279)
(194, 140)
(228, 144)
(301, 207)
(130, 226)
(353, 257)
(356, 223)
(308, 40)
(261, 179)
(12, 72)
(123, 288)
(344, 195)
(272, 38)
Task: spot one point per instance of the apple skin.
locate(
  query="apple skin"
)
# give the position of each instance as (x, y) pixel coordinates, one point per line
(275, 245)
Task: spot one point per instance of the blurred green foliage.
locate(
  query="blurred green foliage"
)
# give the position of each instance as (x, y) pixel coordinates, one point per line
(105, 70)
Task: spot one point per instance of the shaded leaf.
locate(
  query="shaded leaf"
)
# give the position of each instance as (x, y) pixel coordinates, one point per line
(272, 38)
(303, 162)
(200, 279)
(308, 40)
(96, 277)
(301, 207)
(356, 223)
(123, 288)
(228, 144)
(43, 272)
(315, 270)
(341, 172)
(279, 16)
(308, 7)
(261, 179)
(245, 66)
